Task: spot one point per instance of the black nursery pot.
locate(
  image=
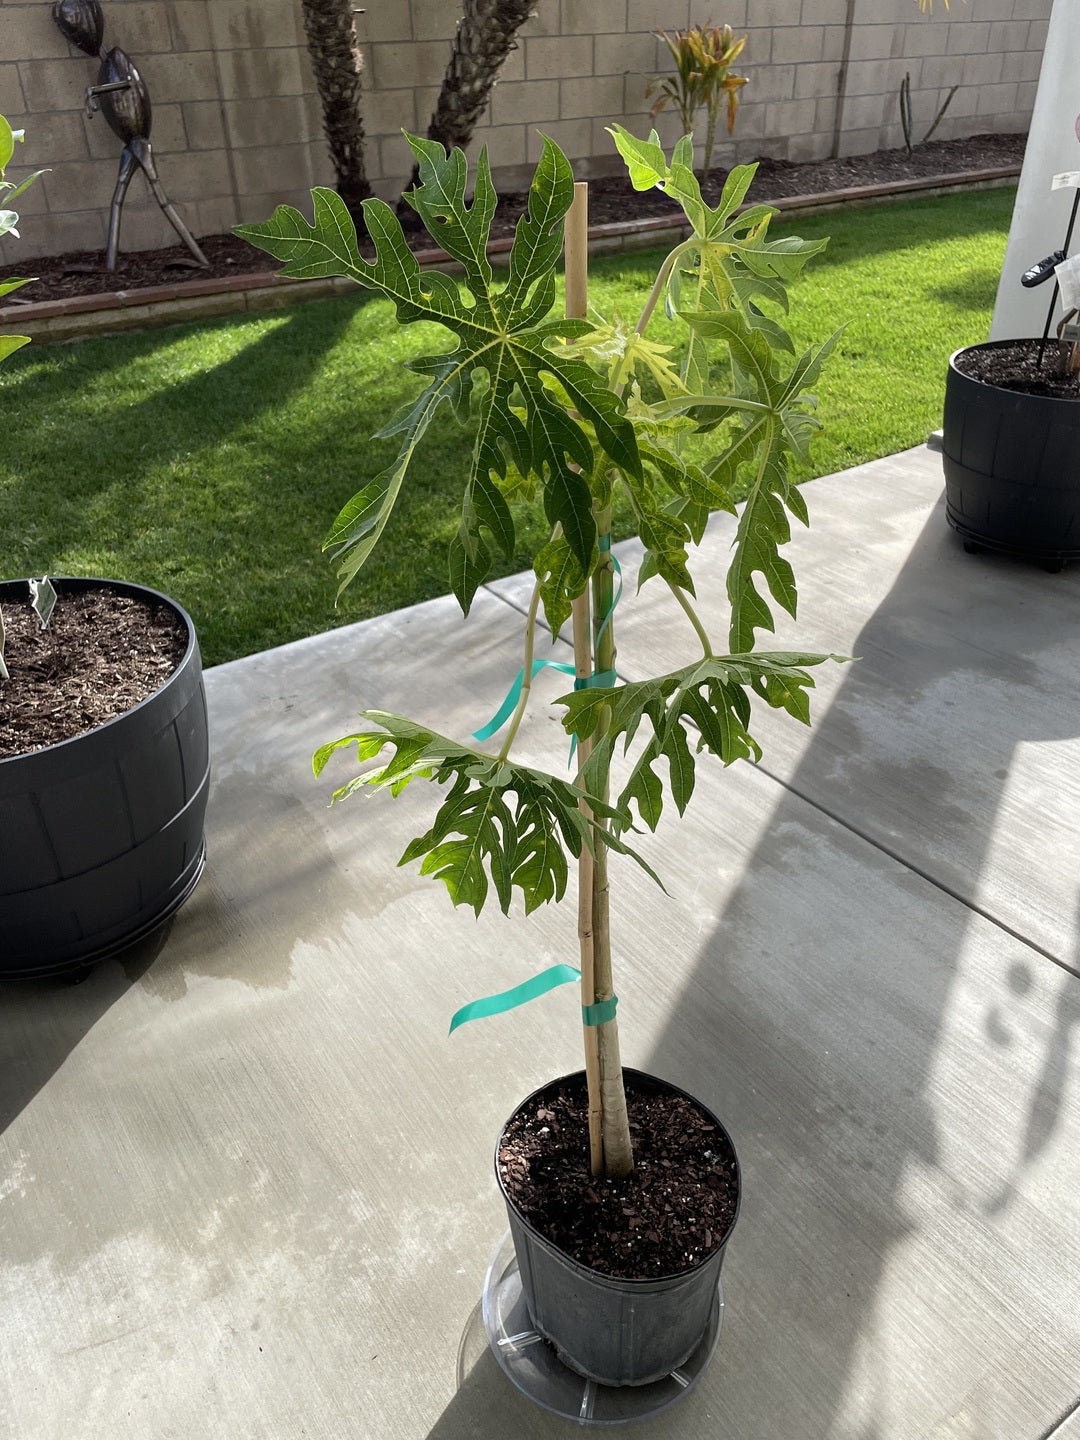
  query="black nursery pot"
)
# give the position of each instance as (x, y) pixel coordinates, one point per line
(1012, 466)
(611, 1330)
(102, 835)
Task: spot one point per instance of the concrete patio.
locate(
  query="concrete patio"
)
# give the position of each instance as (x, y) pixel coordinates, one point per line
(246, 1180)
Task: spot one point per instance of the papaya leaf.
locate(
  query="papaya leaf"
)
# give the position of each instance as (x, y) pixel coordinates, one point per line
(504, 333)
(707, 703)
(502, 826)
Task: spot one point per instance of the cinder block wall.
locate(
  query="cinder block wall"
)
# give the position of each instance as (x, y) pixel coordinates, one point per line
(237, 122)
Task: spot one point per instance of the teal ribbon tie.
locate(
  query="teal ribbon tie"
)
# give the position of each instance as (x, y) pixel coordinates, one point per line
(513, 695)
(519, 995)
(598, 1014)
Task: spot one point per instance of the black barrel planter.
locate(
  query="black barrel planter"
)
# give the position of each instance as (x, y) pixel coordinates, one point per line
(1012, 467)
(611, 1330)
(102, 835)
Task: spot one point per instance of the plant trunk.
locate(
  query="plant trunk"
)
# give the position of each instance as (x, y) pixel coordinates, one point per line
(338, 67)
(485, 36)
(618, 1150)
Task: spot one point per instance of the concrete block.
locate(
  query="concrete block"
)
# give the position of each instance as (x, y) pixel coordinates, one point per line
(941, 72)
(204, 122)
(813, 81)
(50, 85)
(797, 44)
(140, 28)
(865, 112)
(1025, 103)
(51, 140)
(815, 146)
(635, 105)
(968, 39)
(189, 25)
(996, 99)
(59, 232)
(528, 102)
(395, 159)
(274, 169)
(823, 12)
(860, 142)
(1036, 38)
(877, 42)
(12, 99)
(832, 44)
(657, 15)
(270, 120)
(215, 215)
(623, 54)
(770, 82)
(254, 24)
(600, 95)
(547, 18)
(920, 39)
(434, 19)
(982, 69)
(1024, 65)
(573, 137)
(558, 58)
(1009, 36)
(992, 9)
(80, 187)
(506, 145)
(513, 67)
(964, 102)
(248, 74)
(426, 98)
(772, 12)
(789, 117)
(877, 77)
(594, 17)
(736, 14)
(422, 63)
(385, 22)
(29, 34)
(388, 112)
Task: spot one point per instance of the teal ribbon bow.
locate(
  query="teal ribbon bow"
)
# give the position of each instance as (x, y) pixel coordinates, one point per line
(597, 1014)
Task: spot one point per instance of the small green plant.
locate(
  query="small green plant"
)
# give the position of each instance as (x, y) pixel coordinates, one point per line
(9, 220)
(703, 80)
(568, 410)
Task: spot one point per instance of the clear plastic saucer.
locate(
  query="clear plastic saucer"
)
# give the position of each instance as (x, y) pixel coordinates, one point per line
(537, 1371)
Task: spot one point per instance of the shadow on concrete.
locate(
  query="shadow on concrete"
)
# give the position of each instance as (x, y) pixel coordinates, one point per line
(44, 1020)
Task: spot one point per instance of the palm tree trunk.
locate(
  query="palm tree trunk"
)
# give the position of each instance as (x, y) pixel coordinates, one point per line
(338, 67)
(485, 36)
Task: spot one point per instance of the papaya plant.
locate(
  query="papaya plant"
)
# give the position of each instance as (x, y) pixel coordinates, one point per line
(9, 220)
(568, 411)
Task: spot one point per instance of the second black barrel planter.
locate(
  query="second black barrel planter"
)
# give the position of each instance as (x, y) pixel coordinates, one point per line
(1012, 466)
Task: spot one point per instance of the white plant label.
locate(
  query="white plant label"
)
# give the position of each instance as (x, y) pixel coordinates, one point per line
(43, 599)
(1068, 277)
(1067, 180)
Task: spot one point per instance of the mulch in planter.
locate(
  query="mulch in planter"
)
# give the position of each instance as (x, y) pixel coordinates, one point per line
(100, 655)
(1016, 367)
(669, 1215)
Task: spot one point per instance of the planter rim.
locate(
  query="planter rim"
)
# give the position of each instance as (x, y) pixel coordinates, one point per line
(622, 1282)
(91, 582)
(1005, 389)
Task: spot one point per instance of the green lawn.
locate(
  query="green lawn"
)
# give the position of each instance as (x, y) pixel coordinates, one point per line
(208, 460)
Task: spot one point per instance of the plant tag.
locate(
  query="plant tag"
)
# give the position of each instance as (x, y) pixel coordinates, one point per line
(1068, 278)
(1070, 334)
(1067, 180)
(43, 599)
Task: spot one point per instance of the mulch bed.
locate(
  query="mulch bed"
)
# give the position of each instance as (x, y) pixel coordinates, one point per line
(669, 1215)
(610, 200)
(1016, 367)
(100, 656)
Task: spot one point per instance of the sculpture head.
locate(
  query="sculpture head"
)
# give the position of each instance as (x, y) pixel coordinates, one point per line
(81, 22)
